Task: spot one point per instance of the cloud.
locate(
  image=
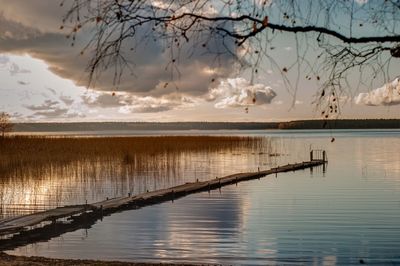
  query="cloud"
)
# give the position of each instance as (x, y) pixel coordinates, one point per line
(147, 105)
(238, 92)
(130, 103)
(389, 94)
(16, 115)
(55, 112)
(11, 67)
(4, 60)
(24, 83)
(105, 99)
(14, 69)
(53, 91)
(154, 105)
(67, 100)
(44, 15)
(52, 109)
(31, 29)
(46, 105)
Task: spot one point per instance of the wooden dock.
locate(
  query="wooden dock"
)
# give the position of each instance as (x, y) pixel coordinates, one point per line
(20, 230)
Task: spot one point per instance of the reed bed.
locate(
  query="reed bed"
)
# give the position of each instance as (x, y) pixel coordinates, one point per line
(39, 172)
(37, 151)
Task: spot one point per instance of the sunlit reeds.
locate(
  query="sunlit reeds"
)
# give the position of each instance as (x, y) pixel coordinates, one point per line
(42, 172)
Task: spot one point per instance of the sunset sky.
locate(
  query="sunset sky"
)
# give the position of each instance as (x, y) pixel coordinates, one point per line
(43, 78)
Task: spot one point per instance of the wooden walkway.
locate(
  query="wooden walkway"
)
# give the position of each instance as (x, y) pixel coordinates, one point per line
(25, 223)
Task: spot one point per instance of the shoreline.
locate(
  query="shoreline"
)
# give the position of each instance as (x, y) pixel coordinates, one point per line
(12, 260)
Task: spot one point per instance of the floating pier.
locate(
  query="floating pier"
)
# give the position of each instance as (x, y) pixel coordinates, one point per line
(42, 226)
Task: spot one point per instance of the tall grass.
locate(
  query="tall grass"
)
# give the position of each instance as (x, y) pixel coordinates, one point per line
(42, 172)
(25, 150)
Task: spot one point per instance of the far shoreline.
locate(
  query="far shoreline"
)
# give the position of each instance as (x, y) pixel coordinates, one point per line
(142, 127)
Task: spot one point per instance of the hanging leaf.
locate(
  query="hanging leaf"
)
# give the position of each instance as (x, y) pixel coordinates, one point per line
(265, 21)
(254, 27)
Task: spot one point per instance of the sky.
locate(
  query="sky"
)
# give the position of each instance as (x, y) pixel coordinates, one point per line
(44, 78)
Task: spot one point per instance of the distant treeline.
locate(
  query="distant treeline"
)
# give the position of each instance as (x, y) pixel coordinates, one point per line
(105, 126)
(130, 126)
(341, 124)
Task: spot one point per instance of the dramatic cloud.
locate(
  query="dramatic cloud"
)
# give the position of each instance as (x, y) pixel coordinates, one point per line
(45, 15)
(389, 94)
(32, 28)
(238, 92)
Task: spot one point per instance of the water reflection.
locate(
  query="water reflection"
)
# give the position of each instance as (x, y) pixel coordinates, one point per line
(347, 216)
(342, 217)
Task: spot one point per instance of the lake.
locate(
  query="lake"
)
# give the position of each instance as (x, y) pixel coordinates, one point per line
(347, 214)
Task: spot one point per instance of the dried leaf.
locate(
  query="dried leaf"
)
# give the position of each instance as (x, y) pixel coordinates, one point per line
(254, 27)
(265, 21)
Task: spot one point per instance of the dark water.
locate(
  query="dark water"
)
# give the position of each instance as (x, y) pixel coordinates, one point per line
(348, 215)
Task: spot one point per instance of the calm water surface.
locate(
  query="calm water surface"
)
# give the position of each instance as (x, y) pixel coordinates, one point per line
(347, 214)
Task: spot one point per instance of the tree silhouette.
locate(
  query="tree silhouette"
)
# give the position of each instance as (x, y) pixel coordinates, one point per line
(332, 39)
(5, 124)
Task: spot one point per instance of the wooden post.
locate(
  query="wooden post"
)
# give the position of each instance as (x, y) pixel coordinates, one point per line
(311, 155)
(324, 156)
